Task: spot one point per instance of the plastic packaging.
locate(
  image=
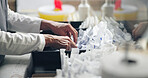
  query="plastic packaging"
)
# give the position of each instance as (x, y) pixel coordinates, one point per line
(99, 39)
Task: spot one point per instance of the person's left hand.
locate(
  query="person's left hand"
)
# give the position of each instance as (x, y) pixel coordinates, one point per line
(63, 29)
(138, 31)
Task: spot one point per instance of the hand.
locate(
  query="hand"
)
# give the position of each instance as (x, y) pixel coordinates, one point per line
(138, 31)
(59, 42)
(63, 29)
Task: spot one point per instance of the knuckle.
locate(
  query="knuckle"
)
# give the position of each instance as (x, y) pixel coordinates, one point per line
(76, 32)
(65, 46)
(68, 43)
(69, 24)
(66, 37)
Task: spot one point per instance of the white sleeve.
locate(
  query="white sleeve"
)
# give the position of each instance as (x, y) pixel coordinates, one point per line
(20, 43)
(23, 23)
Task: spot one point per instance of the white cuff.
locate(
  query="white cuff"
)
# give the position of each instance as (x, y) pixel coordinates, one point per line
(42, 43)
(36, 24)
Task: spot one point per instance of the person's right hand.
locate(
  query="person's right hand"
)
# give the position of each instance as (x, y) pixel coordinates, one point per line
(59, 42)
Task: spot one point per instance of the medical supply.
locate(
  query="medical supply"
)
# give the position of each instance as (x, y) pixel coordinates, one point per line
(49, 12)
(90, 21)
(118, 5)
(82, 65)
(125, 12)
(99, 40)
(128, 12)
(83, 10)
(107, 9)
(58, 5)
(105, 32)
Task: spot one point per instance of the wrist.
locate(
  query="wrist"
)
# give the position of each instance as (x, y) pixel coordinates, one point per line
(46, 25)
(48, 39)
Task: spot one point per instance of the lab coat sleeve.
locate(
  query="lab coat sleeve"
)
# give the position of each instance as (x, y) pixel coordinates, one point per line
(23, 23)
(20, 43)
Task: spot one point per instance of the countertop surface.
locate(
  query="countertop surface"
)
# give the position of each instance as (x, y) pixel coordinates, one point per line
(14, 66)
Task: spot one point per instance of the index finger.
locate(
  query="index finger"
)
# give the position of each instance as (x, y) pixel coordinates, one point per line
(74, 33)
(73, 45)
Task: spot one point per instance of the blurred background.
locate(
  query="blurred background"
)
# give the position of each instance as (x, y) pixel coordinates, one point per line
(30, 7)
